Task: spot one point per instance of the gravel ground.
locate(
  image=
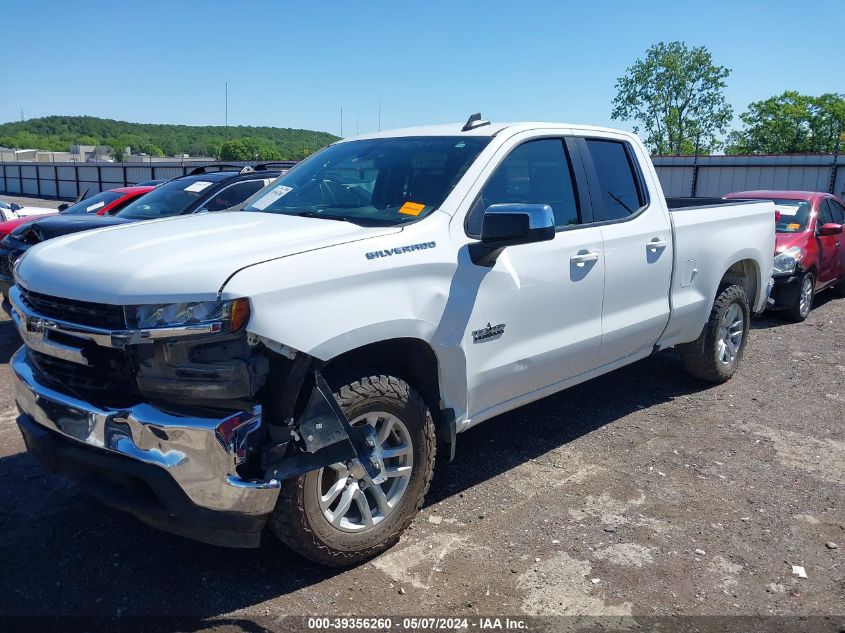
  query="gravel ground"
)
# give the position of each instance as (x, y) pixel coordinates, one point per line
(640, 493)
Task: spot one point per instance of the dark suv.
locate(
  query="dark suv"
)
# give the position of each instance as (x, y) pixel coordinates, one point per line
(205, 189)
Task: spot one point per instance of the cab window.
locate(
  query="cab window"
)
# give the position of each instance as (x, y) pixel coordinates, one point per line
(620, 192)
(536, 172)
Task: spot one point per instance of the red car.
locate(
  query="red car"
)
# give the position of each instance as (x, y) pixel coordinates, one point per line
(809, 254)
(104, 203)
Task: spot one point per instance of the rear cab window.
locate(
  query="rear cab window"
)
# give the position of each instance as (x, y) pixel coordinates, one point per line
(617, 178)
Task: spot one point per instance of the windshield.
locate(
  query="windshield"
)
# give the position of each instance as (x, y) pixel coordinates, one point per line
(171, 198)
(794, 215)
(373, 182)
(94, 204)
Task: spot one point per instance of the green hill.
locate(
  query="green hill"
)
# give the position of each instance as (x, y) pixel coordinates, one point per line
(58, 133)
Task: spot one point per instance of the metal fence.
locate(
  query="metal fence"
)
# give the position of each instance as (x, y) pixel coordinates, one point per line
(714, 176)
(65, 181)
(708, 176)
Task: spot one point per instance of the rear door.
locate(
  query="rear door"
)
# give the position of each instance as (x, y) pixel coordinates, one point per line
(637, 239)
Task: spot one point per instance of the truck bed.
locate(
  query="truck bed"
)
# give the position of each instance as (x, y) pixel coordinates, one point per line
(684, 204)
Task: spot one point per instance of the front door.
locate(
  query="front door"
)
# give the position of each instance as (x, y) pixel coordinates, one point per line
(829, 246)
(536, 315)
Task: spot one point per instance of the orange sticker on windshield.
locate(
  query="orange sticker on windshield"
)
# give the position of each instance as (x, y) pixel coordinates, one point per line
(793, 226)
(411, 208)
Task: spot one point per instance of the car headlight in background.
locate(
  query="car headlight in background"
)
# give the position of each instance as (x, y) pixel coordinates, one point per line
(786, 261)
(232, 315)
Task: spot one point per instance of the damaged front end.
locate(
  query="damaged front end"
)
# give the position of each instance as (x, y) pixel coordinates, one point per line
(193, 425)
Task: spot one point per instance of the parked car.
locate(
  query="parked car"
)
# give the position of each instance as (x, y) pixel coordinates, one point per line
(809, 255)
(210, 188)
(10, 211)
(151, 183)
(294, 363)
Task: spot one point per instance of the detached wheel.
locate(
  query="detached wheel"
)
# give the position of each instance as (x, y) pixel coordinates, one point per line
(714, 356)
(333, 516)
(800, 309)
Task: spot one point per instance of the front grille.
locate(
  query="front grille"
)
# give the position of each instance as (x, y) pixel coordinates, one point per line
(107, 380)
(99, 315)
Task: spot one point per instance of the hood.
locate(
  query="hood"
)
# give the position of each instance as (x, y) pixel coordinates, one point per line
(187, 258)
(46, 228)
(788, 240)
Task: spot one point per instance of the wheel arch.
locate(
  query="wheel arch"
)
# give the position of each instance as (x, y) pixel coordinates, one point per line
(744, 273)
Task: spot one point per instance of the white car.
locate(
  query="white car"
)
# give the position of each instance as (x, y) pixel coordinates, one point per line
(14, 210)
(293, 364)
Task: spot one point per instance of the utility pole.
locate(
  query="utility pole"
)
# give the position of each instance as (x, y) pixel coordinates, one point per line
(21, 115)
(227, 112)
(834, 167)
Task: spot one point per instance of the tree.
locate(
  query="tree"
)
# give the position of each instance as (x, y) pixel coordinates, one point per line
(234, 150)
(250, 149)
(790, 123)
(675, 95)
(151, 150)
(118, 152)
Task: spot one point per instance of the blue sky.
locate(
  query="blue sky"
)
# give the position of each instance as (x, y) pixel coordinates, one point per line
(295, 64)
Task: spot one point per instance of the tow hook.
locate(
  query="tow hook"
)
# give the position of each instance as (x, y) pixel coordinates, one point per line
(329, 438)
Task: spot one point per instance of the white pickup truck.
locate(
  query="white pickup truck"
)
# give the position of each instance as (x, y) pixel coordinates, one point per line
(297, 361)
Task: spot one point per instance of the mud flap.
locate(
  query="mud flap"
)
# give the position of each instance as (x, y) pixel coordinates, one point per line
(329, 438)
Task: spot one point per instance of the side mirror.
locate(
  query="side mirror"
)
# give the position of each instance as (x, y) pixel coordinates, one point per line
(506, 225)
(63, 206)
(15, 207)
(830, 229)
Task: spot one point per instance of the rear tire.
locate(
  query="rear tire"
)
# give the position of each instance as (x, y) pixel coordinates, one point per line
(800, 308)
(323, 531)
(715, 355)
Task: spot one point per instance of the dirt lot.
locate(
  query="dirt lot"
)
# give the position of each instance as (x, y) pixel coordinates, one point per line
(642, 492)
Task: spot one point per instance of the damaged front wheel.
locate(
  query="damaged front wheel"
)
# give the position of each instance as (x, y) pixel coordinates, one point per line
(337, 515)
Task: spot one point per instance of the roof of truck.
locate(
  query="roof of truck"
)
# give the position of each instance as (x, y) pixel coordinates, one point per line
(489, 129)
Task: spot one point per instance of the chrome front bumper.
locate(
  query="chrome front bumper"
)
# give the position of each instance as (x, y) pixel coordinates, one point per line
(189, 449)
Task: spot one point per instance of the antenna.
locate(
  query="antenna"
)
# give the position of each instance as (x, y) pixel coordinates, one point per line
(473, 122)
(227, 111)
(341, 121)
(379, 113)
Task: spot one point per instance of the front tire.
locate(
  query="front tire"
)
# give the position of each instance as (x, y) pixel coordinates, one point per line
(800, 308)
(332, 516)
(715, 355)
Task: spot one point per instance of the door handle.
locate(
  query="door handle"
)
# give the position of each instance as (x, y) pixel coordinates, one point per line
(656, 243)
(581, 259)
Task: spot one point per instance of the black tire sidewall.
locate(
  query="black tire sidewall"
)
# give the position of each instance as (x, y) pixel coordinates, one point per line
(407, 406)
(729, 369)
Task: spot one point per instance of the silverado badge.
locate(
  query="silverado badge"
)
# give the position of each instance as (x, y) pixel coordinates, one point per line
(488, 332)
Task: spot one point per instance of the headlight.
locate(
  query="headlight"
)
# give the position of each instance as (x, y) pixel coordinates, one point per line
(786, 261)
(232, 315)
